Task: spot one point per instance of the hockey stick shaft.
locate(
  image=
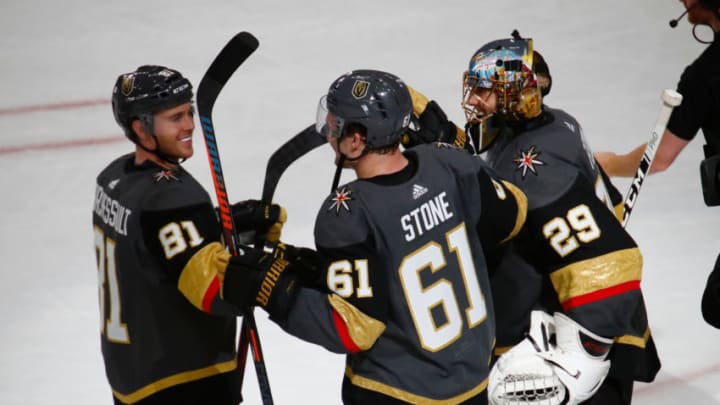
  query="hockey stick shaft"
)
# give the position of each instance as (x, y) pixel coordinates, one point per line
(299, 145)
(670, 100)
(235, 52)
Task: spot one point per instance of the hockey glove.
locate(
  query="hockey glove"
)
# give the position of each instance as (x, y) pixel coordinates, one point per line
(540, 372)
(255, 219)
(430, 124)
(268, 280)
(308, 265)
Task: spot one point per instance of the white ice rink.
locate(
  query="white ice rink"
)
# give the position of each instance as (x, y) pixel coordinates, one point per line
(610, 61)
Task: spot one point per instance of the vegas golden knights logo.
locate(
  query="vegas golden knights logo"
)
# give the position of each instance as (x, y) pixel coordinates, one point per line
(360, 89)
(127, 84)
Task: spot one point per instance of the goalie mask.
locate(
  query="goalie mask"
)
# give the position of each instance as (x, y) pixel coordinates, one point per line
(505, 67)
(378, 101)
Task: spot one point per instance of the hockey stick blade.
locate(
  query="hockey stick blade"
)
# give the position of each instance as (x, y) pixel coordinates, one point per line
(235, 52)
(302, 143)
(670, 100)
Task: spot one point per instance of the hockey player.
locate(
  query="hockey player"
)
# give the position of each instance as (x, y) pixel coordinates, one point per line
(700, 87)
(167, 324)
(402, 250)
(585, 269)
(572, 260)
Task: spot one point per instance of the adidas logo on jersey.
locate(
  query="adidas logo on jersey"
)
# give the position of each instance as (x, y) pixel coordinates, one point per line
(113, 183)
(418, 191)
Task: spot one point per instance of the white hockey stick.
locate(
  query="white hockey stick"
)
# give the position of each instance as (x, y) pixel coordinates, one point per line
(670, 100)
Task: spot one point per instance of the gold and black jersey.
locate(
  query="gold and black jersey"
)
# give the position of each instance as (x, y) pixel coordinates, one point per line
(573, 255)
(148, 224)
(405, 261)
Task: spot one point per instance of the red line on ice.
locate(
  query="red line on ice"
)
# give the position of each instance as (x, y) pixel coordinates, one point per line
(65, 105)
(72, 143)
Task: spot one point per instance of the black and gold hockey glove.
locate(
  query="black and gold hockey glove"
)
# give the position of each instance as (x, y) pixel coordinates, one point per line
(255, 220)
(268, 280)
(430, 124)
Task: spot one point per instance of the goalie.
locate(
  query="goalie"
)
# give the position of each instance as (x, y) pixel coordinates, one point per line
(573, 259)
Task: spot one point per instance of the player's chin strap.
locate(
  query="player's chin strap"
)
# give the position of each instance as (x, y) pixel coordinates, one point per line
(339, 167)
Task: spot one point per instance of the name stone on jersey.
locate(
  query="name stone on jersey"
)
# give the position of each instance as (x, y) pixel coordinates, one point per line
(426, 217)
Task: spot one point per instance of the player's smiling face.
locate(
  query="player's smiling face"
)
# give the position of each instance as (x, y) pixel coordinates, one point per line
(174, 129)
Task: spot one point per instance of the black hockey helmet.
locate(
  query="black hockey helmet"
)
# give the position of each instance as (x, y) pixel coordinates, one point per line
(147, 90)
(379, 101)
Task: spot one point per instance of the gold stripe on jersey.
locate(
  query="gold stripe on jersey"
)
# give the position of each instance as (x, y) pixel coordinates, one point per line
(619, 211)
(363, 330)
(588, 276)
(176, 379)
(403, 395)
(634, 340)
(204, 266)
(521, 200)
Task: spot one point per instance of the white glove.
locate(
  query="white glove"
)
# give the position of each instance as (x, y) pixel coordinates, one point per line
(536, 371)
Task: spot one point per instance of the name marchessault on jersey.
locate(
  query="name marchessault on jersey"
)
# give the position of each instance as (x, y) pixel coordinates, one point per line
(426, 217)
(111, 212)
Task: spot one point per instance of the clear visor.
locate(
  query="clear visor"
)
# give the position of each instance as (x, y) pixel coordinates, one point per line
(327, 123)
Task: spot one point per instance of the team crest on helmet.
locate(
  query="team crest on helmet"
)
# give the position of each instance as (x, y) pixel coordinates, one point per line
(528, 161)
(342, 196)
(360, 89)
(127, 84)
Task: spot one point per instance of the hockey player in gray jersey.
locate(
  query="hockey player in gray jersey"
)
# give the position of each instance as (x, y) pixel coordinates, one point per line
(585, 269)
(169, 292)
(572, 259)
(402, 252)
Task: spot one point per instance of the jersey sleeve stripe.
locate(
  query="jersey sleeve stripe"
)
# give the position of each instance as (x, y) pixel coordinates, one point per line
(600, 295)
(343, 334)
(357, 330)
(594, 279)
(202, 277)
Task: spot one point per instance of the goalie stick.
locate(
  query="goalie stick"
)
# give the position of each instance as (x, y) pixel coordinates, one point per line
(235, 52)
(670, 100)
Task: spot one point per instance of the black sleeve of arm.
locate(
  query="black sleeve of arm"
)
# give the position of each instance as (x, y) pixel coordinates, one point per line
(711, 297)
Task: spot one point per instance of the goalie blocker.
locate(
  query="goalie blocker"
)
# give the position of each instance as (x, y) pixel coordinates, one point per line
(559, 362)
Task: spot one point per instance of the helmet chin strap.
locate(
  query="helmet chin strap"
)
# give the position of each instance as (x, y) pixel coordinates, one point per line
(148, 123)
(339, 167)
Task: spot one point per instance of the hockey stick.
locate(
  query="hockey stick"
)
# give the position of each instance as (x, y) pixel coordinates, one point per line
(670, 100)
(235, 52)
(302, 143)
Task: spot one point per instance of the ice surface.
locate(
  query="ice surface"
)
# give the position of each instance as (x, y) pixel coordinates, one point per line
(610, 61)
